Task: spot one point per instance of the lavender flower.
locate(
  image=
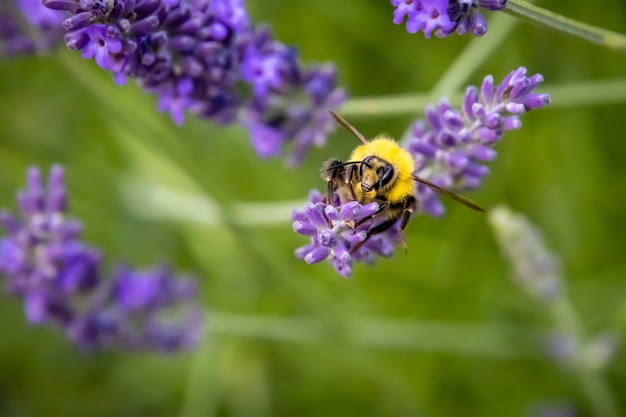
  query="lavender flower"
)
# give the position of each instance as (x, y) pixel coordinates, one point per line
(27, 27)
(334, 230)
(444, 17)
(205, 57)
(449, 147)
(44, 262)
(274, 121)
(537, 270)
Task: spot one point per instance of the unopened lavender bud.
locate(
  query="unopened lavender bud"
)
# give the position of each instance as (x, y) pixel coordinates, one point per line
(65, 5)
(317, 255)
(536, 269)
(144, 27)
(78, 21)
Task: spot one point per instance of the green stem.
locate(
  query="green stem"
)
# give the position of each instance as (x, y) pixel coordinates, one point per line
(592, 381)
(567, 95)
(477, 51)
(382, 106)
(200, 398)
(546, 18)
(478, 340)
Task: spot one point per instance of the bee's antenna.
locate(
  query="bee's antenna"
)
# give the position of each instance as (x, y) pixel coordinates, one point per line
(349, 127)
(463, 200)
(348, 163)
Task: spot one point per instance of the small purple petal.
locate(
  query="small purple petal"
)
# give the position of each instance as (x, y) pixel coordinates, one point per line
(487, 135)
(369, 210)
(476, 170)
(332, 213)
(317, 255)
(511, 123)
(477, 23)
(316, 214)
(327, 238)
(304, 228)
(486, 90)
(266, 140)
(483, 153)
(350, 210)
(343, 268)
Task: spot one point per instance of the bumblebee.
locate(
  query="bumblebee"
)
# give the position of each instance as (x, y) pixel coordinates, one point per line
(380, 170)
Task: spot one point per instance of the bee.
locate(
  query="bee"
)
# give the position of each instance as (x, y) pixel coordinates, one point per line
(380, 170)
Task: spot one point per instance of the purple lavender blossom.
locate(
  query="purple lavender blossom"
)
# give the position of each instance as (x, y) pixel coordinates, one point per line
(537, 270)
(44, 262)
(205, 57)
(305, 122)
(334, 230)
(444, 17)
(27, 27)
(450, 148)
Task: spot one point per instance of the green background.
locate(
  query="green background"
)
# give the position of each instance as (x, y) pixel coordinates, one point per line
(440, 331)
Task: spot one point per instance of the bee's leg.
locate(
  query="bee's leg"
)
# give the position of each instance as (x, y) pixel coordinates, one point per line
(350, 175)
(332, 169)
(375, 230)
(381, 206)
(409, 207)
(330, 191)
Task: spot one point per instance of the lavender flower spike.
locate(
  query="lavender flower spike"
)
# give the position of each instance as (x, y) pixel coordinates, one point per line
(207, 58)
(334, 230)
(444, 17)
(451, 146)
(537, 270)
(27, 27)
(44, 262)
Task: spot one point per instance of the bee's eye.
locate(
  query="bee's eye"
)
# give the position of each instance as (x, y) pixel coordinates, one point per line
(364, 164)
(387, 174)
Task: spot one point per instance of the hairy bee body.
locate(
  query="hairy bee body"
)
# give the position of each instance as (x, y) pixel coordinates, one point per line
(377, 171)
(384, 151)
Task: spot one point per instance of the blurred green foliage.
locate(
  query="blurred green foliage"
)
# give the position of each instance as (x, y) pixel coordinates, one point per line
(564, 169)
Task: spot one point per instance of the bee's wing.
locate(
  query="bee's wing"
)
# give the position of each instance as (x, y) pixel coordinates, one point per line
(463, 200)
(343, 122)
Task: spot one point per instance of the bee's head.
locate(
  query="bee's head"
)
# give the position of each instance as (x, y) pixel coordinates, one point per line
(377, 176)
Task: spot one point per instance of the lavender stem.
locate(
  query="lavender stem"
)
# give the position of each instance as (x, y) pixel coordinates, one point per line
(576, 94)
(537, 271)
(546, 18)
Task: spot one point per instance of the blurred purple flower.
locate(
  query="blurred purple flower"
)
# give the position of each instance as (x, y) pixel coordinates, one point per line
(38, 15)
(204, 57)
(444, 16)
(44, 262)
(27, 27)
(301, 116)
